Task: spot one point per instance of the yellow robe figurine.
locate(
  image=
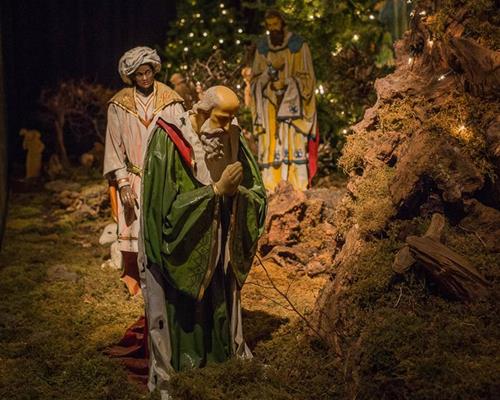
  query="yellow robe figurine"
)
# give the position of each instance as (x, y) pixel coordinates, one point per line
(283, 105)
(34, 147)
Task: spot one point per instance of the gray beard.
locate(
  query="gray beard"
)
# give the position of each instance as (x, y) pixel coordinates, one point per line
(211, 141)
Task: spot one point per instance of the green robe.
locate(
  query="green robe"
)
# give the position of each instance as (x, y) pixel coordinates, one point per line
(186, 227)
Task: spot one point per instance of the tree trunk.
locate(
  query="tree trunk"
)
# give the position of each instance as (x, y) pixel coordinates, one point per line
(59, 126)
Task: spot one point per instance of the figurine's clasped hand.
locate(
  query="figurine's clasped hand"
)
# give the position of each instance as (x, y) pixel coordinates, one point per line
(231, 177)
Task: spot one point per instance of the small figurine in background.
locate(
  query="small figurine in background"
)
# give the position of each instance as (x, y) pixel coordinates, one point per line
(34, 147)
(199, 90)
(185, 90)
(54, 167)
(246, 73)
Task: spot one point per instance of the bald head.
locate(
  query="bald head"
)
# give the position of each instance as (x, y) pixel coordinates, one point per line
(219, 104)
(218, 97)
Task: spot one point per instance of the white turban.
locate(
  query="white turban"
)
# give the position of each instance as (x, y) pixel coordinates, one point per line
(136, 57)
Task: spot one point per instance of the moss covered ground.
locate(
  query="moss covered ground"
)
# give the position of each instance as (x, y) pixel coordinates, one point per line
(59, 309)
(401, 339)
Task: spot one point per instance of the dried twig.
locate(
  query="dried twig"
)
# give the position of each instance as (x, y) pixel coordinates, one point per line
(475, 233)
(294, 308)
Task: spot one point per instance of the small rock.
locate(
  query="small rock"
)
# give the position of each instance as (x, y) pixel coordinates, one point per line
(61, 273)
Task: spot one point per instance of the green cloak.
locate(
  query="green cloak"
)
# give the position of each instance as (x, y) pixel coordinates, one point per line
(185, 227)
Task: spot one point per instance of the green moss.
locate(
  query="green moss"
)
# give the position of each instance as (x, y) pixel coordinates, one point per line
(372, 206)
(286, 367)
(409, 342)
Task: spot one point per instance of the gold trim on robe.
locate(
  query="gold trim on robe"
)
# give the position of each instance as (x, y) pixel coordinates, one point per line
(164, 96)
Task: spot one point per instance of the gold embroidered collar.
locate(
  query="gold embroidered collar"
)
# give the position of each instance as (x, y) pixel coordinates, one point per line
(164, 96)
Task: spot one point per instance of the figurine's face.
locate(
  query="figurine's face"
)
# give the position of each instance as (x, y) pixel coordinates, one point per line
(220, 119)
(143, 77)
(274, 24)
(276, 32)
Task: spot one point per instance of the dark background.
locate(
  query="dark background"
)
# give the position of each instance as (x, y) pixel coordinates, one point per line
(52, 40)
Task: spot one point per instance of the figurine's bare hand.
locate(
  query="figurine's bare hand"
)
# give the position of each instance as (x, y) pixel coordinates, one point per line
(230, 179)
(128, 197)
(278, 85)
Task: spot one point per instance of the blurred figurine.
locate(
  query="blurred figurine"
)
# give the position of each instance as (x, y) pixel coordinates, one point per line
(94, 157)
(246, 73)
(34, 147)
(199, 90)
(284, 106)
(54, 167)
(132, 116)
(109, 236)
(186, 91)
(203, 211)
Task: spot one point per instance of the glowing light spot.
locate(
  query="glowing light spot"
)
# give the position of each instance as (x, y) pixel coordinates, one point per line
(355, 38)
(372, 17)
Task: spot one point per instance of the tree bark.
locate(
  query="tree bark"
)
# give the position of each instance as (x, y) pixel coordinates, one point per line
(59, 126)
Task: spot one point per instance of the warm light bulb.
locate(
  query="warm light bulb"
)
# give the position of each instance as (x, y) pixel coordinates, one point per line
(355, 38)
(240, 30)
(221, 41)
(186, 49)
(441, 77)
(344, 131)
(205, 34)
(238, 41)
(372, 17)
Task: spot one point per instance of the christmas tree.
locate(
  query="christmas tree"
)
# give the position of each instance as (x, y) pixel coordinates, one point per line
(212, 41)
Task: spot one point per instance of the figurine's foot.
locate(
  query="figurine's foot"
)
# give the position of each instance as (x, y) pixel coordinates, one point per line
(131, 284)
